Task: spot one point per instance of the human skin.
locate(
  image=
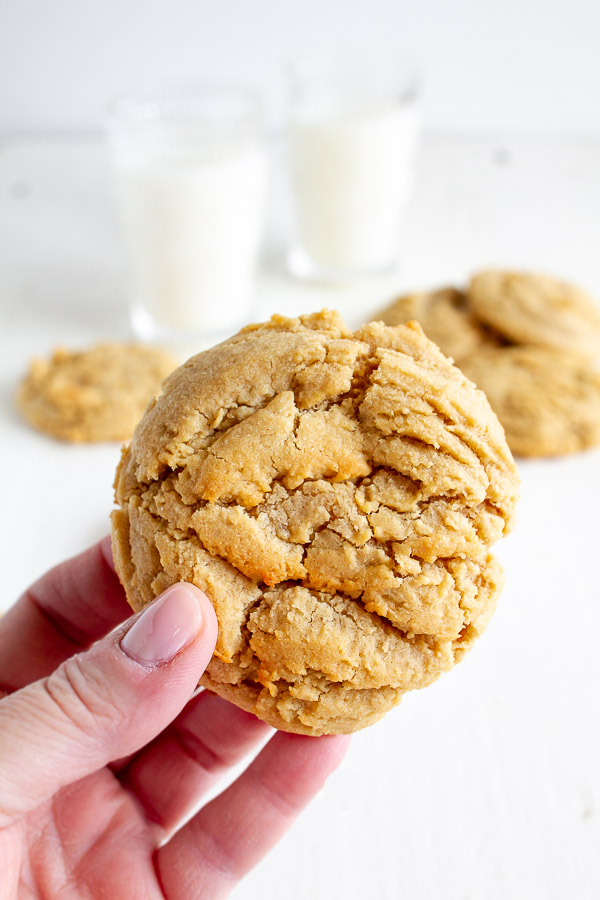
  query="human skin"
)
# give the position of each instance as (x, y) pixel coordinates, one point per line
(105, 749)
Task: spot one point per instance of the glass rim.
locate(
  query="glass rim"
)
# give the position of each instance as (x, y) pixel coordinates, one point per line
(347, 62)
(182, 103)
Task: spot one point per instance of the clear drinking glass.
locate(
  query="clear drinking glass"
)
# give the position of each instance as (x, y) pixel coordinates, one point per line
(191, 171)
(352, 138)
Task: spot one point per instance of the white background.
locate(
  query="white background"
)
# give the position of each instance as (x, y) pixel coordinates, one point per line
(486, 786)
(489, 65)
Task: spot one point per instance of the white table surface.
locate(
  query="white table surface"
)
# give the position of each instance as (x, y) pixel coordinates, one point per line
(485, 786)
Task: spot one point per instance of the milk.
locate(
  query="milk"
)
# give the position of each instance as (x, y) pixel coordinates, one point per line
(193, 224)
(351, 174)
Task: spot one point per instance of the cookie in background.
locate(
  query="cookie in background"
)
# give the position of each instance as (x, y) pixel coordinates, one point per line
(536, 310)
(98, 394)
(531, 342)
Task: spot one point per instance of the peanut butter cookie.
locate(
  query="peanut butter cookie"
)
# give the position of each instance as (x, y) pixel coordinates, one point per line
(446, 318)
(537, 310)
(93, 395)
(548, 401)
(336, 495)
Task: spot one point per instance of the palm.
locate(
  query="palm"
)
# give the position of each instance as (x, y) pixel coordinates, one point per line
(119, 832)
(90, 840)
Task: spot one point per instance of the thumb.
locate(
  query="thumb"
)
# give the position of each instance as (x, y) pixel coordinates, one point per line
(105, 703)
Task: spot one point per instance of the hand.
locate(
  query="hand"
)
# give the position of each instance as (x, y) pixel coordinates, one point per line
(103, 754)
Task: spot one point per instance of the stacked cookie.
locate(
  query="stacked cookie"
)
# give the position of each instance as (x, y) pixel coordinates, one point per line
(532, 343)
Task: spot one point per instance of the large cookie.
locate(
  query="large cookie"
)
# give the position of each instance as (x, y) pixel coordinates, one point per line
(93, 395)
(336, 496)
(547, 401)
(446, 318)
(538, 310)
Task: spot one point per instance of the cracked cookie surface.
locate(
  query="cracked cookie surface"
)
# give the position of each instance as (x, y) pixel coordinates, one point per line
(336, 495)
(93, 395)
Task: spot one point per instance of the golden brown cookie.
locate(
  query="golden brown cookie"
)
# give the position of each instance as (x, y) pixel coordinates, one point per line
(547, 401)
(446, 318)
(93, 395)
(538, 310)
(336, 496)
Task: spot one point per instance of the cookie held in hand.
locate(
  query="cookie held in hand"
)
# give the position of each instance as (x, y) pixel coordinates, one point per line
(336, 495)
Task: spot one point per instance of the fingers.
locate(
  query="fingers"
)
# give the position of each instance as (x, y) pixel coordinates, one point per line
(229, 836)
(105, 703)
(169, 777)
(70, 607)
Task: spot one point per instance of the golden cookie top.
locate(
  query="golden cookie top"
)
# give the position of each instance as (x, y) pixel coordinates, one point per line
(336, 495)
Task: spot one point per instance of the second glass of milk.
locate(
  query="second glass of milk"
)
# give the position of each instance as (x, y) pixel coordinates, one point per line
(353, 132)
(191, 175)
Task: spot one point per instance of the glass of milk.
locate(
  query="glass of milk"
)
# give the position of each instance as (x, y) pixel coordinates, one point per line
(191, 175)
(353, 130)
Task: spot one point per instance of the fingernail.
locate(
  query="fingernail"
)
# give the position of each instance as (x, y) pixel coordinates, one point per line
(165, 627)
